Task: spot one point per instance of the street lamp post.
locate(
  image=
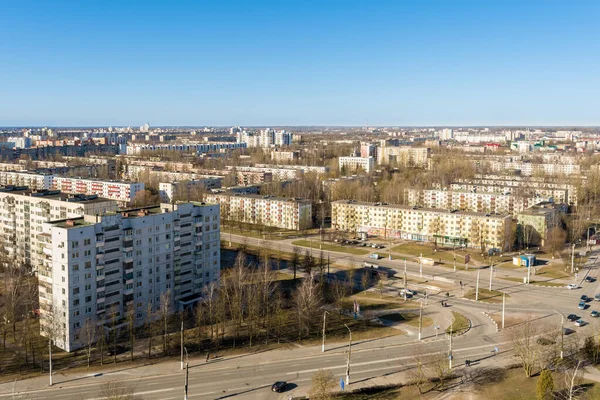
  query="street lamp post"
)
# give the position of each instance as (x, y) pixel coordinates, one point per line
(182, 345)
(420, 320)
(491, 276)
(573, 259)
(349, 354)
(450, 345)
(477, 287)
(324, 322)
(185, 386)
(503, 308)
(421, 266)
(50, 359)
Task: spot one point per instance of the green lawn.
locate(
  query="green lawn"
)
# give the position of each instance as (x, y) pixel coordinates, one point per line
(460, 324)
(331, 247)
(445, 254)
(493, 296)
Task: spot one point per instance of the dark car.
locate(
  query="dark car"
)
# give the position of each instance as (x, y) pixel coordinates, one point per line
(279, 386)
(584, 298)
(589, 279)
(572, 317)
(119, 349)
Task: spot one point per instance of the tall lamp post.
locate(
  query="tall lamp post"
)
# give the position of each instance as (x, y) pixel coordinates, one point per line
(349, 354)
(185, 386)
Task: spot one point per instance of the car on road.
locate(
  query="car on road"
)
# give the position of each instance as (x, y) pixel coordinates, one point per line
(582, 305)
(579, 322)
(572, 317)
(374, 256)
(572, 286)
(584, 298)
(595, 314)
(597, 297)
(589, 279)
(279, 386)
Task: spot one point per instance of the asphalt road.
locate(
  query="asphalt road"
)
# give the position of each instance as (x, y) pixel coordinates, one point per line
(251, 376)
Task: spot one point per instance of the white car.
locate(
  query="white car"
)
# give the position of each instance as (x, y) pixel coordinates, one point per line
(572, 286)
(579, 322)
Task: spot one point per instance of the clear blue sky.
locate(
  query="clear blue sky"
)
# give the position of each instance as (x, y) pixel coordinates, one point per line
(299, 62)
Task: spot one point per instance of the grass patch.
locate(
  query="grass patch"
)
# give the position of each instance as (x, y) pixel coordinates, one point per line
(446, 255)
(537, 283)
(378, 302)
(330, 247)
(491, 296)
(553, 271)
(460, 324)
(410, 319)
(375, 393)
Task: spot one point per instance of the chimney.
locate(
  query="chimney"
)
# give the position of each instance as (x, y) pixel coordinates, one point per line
(70, 222)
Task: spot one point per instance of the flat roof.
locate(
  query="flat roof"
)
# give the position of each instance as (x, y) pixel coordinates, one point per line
(433, 210)
(260, 197)
(54, 195)
(63, 223)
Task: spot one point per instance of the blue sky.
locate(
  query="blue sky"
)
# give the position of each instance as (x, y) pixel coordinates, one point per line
(299, 62)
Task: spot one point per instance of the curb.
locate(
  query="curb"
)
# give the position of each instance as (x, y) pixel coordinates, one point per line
(495, 323)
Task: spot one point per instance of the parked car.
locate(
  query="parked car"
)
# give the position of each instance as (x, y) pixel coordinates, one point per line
(279, 386)
(579, 322)
(572, 286)
(597, 297)
(582, 305)
(589, 279)
(584, 298)
(572, 317)
(119, 349)
(595, 314)
(545, 342)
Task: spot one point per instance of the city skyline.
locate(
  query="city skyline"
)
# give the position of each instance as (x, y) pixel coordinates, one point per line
(265, 64)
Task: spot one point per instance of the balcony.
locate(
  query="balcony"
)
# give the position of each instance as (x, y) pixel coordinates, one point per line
(100, 289)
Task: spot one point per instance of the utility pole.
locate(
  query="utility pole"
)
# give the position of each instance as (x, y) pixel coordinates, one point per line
(454, 263)
(450, 349)
(421, 266)
(503, 308)
(528, 273)
(405, 267)
(562, 335)
(324, 322)
(420, 319)
(477, 287)
(50, 359)
(491, 276)
(573, 259)
(404, 286)
(187, 368)
(182, 345)
(349, 353)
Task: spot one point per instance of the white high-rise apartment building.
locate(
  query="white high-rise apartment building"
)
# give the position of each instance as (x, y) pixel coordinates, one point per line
(96, 268)
(387, 221)
(23, 213)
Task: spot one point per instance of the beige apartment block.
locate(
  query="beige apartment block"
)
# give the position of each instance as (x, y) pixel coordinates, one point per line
(279, 212)
(388, 221)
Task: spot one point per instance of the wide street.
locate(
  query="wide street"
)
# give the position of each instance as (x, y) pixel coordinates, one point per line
(373, 361)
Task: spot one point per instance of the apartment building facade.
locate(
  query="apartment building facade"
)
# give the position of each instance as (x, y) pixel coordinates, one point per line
(97, 268)
(403, 155)
(481, 202)
(278, 212)
(32, 180)
(122, 192)
(459, 228)
(352, 164)
(169, 191)
(24, 211)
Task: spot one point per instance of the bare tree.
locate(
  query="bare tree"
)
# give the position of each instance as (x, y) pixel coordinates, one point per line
(165, 309)
(323, 385)
(308, 300)
(523, 339)
(116, 390)
(295, 260)
(130, 315)
(88, 333)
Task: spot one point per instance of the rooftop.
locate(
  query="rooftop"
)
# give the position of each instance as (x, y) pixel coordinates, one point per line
(424, 209)
(53, 195)
(261, 197)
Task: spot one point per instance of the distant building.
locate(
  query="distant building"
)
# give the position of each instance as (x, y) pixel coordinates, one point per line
(458, 228)
(182, 191)
(353, 164)
(123, 192)
(285, 213)
(403, 155)
(278, 155)
(535, 223)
